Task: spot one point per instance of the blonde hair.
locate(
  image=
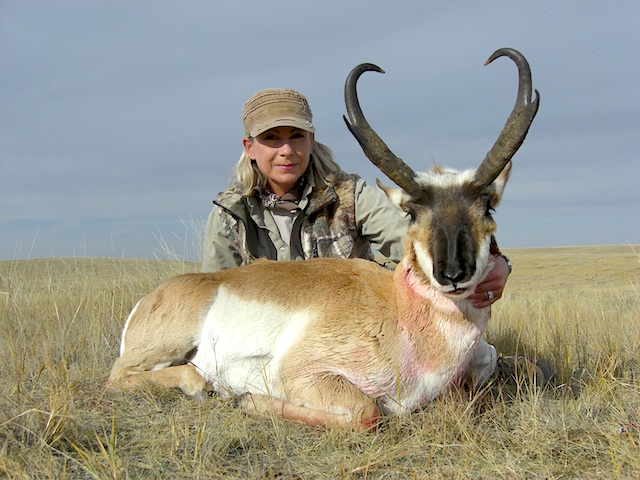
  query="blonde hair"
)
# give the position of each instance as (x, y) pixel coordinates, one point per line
(324, 170)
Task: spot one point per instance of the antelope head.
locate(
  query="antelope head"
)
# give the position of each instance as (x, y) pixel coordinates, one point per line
(448, 240)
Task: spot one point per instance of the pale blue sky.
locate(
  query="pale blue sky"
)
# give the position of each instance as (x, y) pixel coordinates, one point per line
(120, 120)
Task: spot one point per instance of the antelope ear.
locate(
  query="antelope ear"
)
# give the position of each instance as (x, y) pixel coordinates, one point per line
(397, 196)
(499, 183)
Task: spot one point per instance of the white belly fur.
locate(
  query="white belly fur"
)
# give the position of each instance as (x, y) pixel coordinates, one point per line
(242, 344)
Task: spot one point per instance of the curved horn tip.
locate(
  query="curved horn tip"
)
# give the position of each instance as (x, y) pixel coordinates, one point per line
(369, 67)
(512, 53)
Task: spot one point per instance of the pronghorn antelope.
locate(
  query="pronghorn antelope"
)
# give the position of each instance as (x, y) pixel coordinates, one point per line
(350, 341)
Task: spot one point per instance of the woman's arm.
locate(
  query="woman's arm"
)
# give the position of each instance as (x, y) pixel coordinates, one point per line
(380, 221)
(219, 252)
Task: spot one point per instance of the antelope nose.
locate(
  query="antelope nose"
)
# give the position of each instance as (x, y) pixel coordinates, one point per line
(454, 275)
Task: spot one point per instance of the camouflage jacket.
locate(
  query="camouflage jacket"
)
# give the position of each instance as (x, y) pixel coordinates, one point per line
(342, 221)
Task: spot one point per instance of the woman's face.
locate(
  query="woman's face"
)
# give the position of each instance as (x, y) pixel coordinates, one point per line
(282, 155)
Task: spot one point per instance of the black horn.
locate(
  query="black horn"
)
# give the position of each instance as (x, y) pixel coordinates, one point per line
(372, 145)
(518, 123)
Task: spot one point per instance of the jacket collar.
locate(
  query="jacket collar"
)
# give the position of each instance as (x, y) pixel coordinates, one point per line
(315, 198)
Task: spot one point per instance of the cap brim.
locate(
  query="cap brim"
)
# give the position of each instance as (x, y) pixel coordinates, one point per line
(282, 122)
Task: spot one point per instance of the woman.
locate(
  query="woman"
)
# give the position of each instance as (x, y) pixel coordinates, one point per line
(291, 200)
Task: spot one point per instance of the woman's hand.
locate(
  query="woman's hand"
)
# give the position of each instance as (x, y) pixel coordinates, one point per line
(491, 287)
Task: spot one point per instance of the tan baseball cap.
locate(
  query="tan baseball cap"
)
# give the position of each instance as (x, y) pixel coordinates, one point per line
(276, 107)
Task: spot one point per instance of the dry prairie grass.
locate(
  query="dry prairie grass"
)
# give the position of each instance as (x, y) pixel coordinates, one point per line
(578, 308)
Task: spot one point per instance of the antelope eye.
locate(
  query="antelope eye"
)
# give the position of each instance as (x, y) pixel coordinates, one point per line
(411, 210)
(489, 210)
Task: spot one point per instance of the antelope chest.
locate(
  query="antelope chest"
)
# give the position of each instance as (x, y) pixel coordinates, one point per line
(436, 343)
(424, 371)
